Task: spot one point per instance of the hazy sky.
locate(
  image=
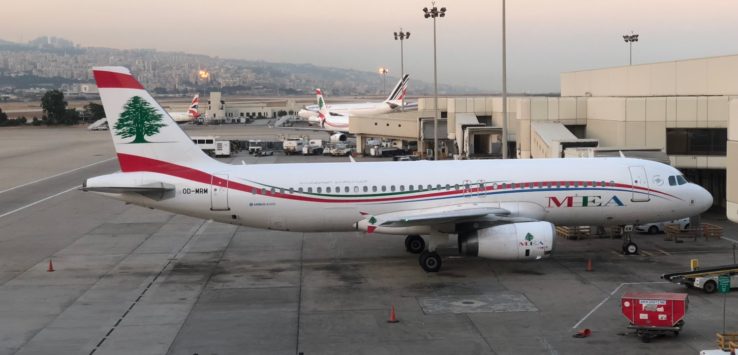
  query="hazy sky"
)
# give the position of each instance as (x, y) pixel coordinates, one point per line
(545, 37)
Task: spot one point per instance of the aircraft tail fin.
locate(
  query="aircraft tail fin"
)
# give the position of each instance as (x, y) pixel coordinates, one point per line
(400, 89)
(323, 113)
(145, 137)
(192, 110)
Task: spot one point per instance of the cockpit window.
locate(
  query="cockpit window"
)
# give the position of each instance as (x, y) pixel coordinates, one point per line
(681, 180)
(672, 180)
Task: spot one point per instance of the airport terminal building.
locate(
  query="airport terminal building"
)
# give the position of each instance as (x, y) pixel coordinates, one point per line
(676, 111)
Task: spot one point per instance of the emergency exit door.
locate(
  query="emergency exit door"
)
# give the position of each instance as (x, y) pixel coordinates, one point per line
(219, 192)
(639, 182)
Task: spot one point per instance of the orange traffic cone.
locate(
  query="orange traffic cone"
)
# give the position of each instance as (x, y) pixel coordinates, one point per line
(51, 267)
(393, 316)
(589, 264)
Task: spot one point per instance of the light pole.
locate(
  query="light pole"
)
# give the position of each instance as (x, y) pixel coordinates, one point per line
(433, 13)
(504, 86)
(383, 72)
(402, 36)
(629, 39)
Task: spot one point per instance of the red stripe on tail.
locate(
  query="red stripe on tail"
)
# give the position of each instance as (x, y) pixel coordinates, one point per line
(106, 79)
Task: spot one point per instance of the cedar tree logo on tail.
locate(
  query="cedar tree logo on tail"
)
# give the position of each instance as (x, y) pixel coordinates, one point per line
(138, 119)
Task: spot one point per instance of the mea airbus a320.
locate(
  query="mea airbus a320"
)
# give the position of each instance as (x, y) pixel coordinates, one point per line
(499, 209)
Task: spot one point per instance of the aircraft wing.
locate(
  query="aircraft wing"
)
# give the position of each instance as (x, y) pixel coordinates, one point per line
(463, 213)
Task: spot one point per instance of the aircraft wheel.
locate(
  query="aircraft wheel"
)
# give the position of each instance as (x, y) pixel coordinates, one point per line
(414, 244)
(430, 261)
(630, 249)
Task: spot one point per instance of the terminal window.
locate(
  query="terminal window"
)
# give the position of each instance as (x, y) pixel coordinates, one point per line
(696, 141)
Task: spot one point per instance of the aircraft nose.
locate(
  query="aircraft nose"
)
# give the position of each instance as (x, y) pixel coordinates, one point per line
(702, 199)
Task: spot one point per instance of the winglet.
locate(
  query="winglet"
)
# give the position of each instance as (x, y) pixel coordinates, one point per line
(352, 159)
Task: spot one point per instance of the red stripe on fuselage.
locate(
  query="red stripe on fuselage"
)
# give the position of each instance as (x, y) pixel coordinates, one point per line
(112, 80)
(131, 163)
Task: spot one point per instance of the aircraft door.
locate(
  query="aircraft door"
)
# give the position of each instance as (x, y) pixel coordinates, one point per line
(219, 192)
(639, 180)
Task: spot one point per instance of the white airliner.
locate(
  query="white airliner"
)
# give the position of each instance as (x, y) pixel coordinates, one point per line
(499, 209)
(190, 115)
(392, 103)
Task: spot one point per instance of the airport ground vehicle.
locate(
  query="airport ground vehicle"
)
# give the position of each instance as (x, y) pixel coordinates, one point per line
(654, 314)
(497, 209)
(293, 146)
(222, 148)
(338, 149)
(709, 283)
(658, 227)
(254, 146)
(704, 278)
(313, 147)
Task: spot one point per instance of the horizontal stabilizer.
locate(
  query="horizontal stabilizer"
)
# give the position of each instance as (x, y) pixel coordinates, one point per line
(143, 183)
(159, 187)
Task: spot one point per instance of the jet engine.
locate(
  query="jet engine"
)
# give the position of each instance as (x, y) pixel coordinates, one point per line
(338, 137)
(514, 241)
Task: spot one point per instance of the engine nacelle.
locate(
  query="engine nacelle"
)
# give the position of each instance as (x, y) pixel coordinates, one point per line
(338, 137)
(514, 241)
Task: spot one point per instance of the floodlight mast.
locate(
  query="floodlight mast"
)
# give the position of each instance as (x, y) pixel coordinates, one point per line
(632, 37)
(402, 36)
(433, 13)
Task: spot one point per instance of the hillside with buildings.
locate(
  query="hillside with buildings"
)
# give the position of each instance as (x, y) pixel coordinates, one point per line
(52, 63)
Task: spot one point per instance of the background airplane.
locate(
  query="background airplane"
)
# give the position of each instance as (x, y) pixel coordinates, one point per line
(392, 103)
(497, 209)
(191, 114)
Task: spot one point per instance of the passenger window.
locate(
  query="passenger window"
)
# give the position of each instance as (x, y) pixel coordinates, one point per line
(346, 189)
(292, 191)
(366, 188)
(273, 190)
(384, 188)
(356, 189)
(310, 190)
(328, 190)
(374, 188)
(300, 190)
(411, 188)
(430, 187)
(448, 187)
(338, 189)
(402, 187)
(319, 189)
(392, 188)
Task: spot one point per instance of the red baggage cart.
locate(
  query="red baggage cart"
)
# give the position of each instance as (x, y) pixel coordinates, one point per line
(653, 314)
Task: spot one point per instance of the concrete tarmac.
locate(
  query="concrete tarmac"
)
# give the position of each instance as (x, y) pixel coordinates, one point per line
(130, 280)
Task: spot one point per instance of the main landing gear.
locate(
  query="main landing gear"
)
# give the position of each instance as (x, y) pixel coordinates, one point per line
(429, 259)
(414, 244)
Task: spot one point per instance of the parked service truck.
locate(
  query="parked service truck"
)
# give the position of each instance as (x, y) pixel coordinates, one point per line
(292, 145)
(314, 147)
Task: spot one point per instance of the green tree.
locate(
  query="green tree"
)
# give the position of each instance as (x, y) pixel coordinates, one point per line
(138, 119)
(94, 111)
(71, 117)
(54, 106)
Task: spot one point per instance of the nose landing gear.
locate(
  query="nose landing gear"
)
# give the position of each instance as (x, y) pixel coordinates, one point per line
(629, 247)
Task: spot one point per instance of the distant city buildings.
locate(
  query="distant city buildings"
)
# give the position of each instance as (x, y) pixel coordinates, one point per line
(50, 62)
